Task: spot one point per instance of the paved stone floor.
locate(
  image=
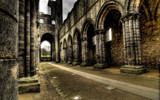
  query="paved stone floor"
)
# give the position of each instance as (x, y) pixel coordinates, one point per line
(59, 84)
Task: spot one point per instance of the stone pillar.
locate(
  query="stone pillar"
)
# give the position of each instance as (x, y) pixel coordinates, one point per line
(21, 59)
(32, 38)
(9, 49)
(69, 52)
(85, 52)
(27, 38)
(132, 45)
(36, 37)
(65, 55)
(100, 49)
(76, 54)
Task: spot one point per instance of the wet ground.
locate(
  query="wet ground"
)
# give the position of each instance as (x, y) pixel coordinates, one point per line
(58, 84)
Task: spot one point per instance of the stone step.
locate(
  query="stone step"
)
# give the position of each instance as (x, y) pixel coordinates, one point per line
(29, 84)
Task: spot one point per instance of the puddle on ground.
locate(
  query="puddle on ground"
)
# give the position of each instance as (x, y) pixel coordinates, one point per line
(109, 87)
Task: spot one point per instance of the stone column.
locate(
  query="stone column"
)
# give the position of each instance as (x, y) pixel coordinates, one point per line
(76, 53)
(65, 55)
(85, 52)
(32, 35)
(9, 13)
(132, 45)
(69, 54)
(100, 49)
(21, 59)
(27, 38)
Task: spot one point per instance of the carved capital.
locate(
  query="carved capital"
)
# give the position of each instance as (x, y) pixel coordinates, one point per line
(130, 16)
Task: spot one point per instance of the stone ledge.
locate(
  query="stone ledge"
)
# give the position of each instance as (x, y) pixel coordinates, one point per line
(84, 64)
(131, 69)
(100, 65)
(75, 63)
(29, 84)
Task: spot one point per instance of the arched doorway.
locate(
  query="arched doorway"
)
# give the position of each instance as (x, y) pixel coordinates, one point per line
(114, 38)
(47, 50)
(77, 48)
(65, 51)
(149, 29)
(69, 50)
(110, 34)
(61, 52)
(89, 47)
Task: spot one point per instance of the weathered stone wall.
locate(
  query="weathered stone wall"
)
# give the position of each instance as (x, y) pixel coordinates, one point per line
(46, 26)
(150, 34)
(117, 49)
(129, 47)
(9, 49)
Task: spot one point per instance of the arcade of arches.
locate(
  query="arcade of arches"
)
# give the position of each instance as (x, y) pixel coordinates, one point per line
(98, 33)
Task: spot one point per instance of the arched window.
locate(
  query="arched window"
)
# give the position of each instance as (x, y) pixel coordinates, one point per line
(94, 40)
(41, 20)
(53, 22)
(109, 35)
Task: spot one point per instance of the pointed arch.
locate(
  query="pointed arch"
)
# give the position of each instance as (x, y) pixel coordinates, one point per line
(86, 25)
(110, 5)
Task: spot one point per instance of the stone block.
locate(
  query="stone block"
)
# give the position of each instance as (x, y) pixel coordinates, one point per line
(29, 84)
(133, 69)
(101, 65)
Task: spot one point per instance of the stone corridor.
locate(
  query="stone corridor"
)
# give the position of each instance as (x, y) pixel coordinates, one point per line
(97, 34)
(63, 82)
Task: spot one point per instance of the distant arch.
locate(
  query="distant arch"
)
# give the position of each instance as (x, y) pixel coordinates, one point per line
(48, 37)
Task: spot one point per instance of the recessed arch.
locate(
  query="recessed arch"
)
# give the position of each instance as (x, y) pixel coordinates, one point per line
(69, 41)
(111, 5)
(77, 47)
(76, 35)
(70, 50)
(64, 43)
(85, 27)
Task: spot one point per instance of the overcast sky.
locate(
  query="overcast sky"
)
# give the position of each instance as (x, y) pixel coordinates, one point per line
(67, 6)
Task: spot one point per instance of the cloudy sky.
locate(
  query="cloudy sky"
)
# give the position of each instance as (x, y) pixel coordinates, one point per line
(67, 6)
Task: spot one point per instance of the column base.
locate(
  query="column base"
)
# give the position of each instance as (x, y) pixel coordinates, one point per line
(84, 64)
(100, 65)
(133, 69)
(75, 63)
(69, 62)
(29, 84)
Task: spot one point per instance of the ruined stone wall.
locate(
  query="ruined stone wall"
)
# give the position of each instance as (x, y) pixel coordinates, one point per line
(9, 49)
(150, 35)
(117, 49)
(93, 9)
(46, 26)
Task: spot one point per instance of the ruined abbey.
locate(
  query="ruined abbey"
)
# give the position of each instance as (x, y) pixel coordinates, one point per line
(98, 33)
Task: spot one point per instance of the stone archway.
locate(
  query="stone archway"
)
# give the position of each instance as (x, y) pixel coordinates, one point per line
(65, 51)
(109, 25)
(114, 38)
(77, 57)
(48, 37)
(88, 44)
(70, 50)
